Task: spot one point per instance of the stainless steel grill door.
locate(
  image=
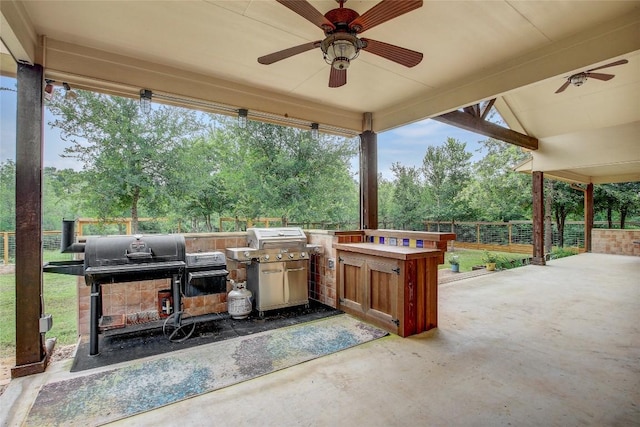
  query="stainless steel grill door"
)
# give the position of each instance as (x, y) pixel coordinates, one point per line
(271, 290)
(295, 283)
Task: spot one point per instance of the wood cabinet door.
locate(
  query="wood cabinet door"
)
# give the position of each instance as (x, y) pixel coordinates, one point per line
(382, 290)
(351, 275)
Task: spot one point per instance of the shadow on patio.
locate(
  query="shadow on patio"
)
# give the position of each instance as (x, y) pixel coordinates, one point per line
(554, 345)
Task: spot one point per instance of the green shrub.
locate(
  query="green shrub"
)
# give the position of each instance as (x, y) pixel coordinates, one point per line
(505, 263)
(562, 252)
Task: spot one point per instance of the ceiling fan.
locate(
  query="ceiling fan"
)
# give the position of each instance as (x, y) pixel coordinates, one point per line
(579, 78)
(341, 27)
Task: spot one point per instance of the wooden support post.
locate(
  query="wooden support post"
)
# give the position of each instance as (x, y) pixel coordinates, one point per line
(588, 216)
(537, 185)
(368, 180)
(30, 350)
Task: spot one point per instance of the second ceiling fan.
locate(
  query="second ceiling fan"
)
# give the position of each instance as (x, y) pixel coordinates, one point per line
(341, 27)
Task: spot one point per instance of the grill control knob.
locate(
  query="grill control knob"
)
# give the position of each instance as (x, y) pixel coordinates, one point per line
(246, 254)
(290, 255)
(266, 257)
(303, 254)
(279, 256)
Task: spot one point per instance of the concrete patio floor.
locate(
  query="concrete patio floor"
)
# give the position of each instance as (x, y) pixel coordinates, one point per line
(556, 346)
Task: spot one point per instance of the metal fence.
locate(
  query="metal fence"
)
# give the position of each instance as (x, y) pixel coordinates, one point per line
(50, 242)
(512, 236)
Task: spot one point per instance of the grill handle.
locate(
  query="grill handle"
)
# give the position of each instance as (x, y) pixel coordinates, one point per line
(139, 255)
(204, 274)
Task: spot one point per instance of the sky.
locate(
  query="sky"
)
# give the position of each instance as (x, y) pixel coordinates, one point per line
(406, 145)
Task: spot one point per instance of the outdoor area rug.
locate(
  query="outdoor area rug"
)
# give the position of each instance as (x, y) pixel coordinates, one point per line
(144, 385)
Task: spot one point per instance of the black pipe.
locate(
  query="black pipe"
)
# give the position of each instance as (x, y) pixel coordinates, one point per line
(67, 242)
(94, 319)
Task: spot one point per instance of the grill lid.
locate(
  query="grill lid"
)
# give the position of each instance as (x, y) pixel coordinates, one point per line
(265, 238)
(206, 259)
(112, 251)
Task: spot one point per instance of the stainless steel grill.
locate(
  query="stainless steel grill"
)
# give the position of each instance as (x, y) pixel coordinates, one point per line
(278, 265)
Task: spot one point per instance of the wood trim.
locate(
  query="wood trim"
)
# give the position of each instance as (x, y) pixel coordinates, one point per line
(431, 236)
(475, 124)
(431, 294)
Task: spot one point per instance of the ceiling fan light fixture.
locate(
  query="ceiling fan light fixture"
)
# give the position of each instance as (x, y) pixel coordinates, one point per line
(340, 49)
(578, 79)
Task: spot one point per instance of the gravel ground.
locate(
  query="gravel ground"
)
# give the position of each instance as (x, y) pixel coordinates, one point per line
(6, 363)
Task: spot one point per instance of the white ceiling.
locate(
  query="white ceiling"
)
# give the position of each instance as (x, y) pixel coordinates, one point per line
(516, 51)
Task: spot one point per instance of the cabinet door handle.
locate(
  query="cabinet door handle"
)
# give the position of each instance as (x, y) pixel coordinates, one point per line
(295, 269)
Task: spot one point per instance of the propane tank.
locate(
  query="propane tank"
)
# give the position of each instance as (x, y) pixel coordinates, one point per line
(239, 301)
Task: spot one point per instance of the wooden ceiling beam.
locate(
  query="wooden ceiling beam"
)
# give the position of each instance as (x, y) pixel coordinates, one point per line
(487, 108)
(475, 123)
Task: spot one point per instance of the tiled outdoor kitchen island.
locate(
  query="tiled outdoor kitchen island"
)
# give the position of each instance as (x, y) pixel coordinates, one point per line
(391, 279)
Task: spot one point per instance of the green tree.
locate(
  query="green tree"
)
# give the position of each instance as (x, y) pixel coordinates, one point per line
(386, 190)
(271, 170)
(497, 192)
(629, 200)
(447, 171)
(566, 201)
(62, 196)
(408, 210)
(127, 156)
(623, 198)
(204, 194)
(7, 195)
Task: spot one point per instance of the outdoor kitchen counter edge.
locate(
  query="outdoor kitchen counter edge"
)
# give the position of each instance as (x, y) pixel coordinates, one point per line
(386, 251)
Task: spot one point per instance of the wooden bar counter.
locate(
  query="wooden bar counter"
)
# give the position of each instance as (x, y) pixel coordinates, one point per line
(393, 287)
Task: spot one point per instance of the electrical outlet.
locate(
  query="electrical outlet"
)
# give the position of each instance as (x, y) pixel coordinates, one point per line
(46, 323)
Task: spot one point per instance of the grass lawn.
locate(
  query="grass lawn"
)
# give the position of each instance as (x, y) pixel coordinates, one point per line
(471, 257)
(60, 300)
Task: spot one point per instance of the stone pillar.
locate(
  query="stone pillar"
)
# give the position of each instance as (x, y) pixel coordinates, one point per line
(368, 180)
(30, 349)
(537, 185)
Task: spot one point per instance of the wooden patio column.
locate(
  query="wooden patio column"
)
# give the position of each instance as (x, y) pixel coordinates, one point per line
(537, 185)
(368, 180)
(588, 216)
(30, 348)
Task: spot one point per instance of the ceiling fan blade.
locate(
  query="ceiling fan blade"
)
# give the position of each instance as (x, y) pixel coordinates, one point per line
(600, 76)
(308, 12)
(337, 78)
(287, 53)
(406, 57)
(382, 12)
(564, 86)
(613, 64)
